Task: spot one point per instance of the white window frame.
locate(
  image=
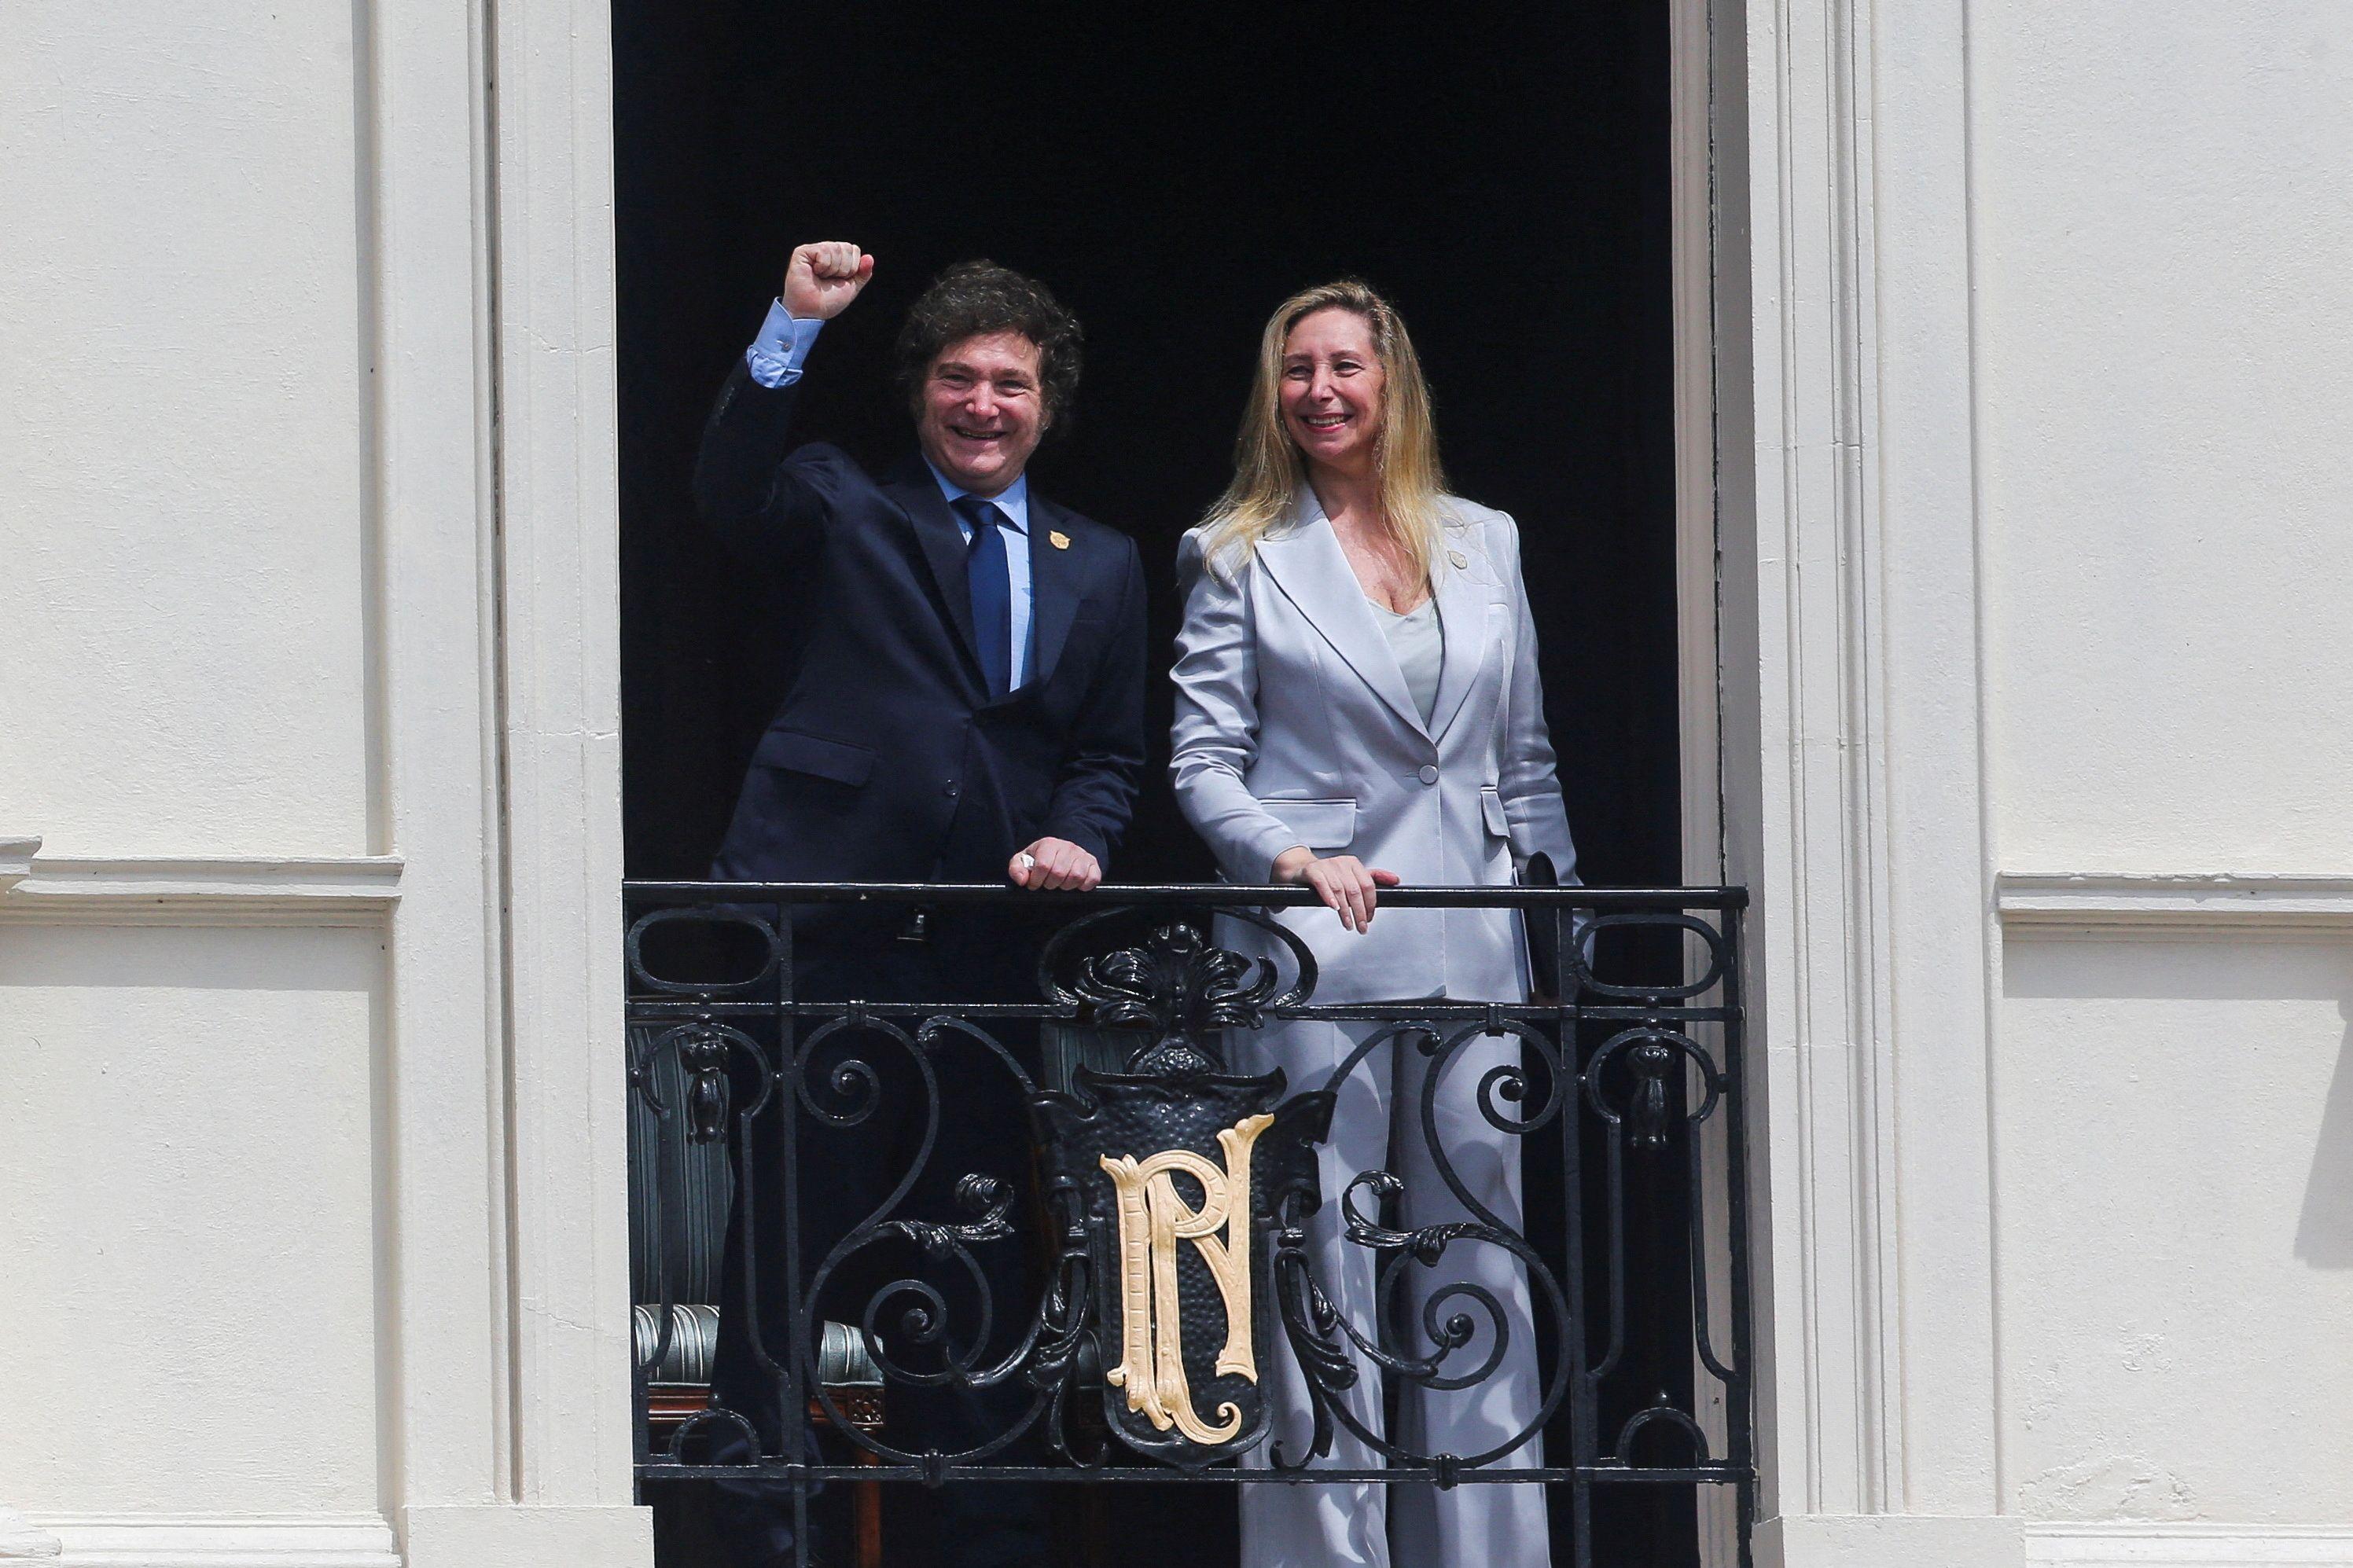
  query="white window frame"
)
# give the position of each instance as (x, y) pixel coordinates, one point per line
(1828, 540)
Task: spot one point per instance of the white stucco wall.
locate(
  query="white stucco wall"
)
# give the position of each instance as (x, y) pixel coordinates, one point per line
(2036, 382)
(2175, 1141)
(2037, 727)
(2165, 320)
(192, 1234)
(270, 1089)
(2165, 386)
(186, 428)
(190, 1231)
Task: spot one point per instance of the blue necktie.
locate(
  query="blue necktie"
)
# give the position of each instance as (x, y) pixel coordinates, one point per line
(992, 592)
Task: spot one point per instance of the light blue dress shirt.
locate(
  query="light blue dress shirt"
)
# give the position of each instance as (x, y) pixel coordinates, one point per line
(774, 359)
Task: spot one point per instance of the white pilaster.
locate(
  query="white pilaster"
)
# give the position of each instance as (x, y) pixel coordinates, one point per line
(559, 723)
(442, 1298)
(1850, 581)
(508, 1399)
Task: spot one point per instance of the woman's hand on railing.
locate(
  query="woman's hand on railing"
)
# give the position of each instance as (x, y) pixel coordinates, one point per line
(1348, 887)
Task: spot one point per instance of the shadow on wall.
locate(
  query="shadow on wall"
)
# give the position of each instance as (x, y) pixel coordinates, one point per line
(346, 960)
(2255, 1083)
(2174, 1173)
(2324, 1231)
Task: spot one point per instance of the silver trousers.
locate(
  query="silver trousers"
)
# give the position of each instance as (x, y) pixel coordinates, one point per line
(1377, 1124)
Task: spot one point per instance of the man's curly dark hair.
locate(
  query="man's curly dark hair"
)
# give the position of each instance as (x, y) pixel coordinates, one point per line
(975, 297)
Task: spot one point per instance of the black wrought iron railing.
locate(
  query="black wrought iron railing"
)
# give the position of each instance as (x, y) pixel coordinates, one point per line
(1017, 1198)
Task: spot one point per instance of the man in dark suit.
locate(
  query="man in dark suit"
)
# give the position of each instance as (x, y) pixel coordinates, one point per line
(968, 705)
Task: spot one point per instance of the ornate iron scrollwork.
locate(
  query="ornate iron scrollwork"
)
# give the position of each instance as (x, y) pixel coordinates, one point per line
(703, 1057)
(1185, 1211)
(1182, 1285)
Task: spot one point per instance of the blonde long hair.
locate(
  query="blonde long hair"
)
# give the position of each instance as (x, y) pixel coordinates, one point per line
(1269, 469)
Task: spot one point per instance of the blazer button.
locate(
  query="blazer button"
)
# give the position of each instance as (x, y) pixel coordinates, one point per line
(1428, 775)
(948, 789)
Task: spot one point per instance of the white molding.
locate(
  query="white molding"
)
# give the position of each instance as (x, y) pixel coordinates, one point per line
(2190, 903)
(20, 1540)
(1699, 649)
(1935, 1224)
(559, 508)
(1698, 639)
(440, 1123)
(225, 1541)
(2188, 1545)
(17, 861)
(1854, 751)
(1808, 825)
(509, 1533)
(505, 1373)
(1889, 1540)
(203, 890)
(1699, 643)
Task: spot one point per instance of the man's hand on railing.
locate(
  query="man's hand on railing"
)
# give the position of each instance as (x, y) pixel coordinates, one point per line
(1054, 865)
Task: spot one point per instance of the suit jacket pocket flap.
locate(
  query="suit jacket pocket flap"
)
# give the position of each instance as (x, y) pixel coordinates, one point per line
(1320, 824)
(1490, 805)
(801, 753)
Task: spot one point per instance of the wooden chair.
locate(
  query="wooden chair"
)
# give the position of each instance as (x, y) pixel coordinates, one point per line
(691, 1185)
(679, 1390)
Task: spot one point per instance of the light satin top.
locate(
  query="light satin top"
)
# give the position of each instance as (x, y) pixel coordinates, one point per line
(1419, 641)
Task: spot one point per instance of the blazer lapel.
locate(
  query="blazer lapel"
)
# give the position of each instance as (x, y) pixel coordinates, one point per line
(918, 494)
(1307, 563)
(1462, 619)
(1053, 588)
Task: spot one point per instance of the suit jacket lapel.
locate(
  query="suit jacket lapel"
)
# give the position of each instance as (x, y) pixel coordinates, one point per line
(918, 494)
(1053, 588)
(1307, 563)
(1462, 618)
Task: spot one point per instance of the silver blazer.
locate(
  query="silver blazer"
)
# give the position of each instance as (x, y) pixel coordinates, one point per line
(1295, 727)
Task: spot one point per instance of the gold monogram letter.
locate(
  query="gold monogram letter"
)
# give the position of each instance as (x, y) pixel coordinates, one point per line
(1152, 1219)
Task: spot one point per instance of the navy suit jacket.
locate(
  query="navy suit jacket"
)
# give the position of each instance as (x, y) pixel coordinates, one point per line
(887, 760)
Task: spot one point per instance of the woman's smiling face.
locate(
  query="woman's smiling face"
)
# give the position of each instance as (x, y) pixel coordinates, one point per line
(1331, 397)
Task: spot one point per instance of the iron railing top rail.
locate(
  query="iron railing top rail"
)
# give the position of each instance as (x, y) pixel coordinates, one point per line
(1601, 900)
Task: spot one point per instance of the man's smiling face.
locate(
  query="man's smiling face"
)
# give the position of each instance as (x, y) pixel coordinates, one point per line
(982, 410)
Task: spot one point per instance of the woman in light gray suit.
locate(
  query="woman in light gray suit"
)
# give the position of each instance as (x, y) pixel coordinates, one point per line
(1357, 706)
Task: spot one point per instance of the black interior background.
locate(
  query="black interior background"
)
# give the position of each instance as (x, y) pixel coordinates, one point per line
(1500, 171)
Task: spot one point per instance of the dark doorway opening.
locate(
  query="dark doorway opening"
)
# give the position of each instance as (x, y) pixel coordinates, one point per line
(1500, 170)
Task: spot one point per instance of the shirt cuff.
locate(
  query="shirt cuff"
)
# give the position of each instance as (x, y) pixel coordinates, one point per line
(775, 355)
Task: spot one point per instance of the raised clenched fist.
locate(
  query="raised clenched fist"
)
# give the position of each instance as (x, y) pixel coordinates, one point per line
(823, 279)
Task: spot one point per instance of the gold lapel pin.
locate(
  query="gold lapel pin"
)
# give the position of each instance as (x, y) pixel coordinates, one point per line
(1058, 539)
